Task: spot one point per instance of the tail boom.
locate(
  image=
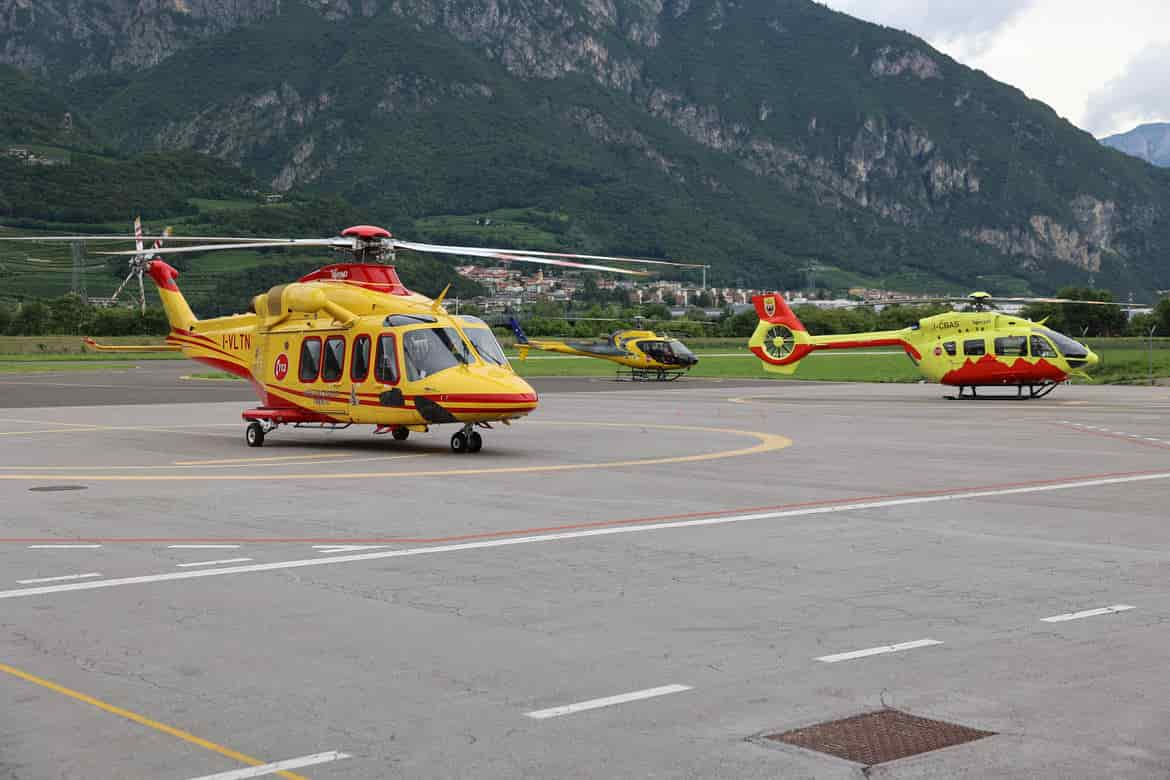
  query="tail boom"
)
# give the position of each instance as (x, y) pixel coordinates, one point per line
(781, 341)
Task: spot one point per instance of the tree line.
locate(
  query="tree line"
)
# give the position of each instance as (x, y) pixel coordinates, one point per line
(69, 315)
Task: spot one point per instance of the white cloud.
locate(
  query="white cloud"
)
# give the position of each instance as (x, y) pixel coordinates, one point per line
(970, 22)
(1091, 62)
(1140, 94)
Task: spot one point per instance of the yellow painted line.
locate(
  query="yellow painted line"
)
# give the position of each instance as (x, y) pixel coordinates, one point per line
(225, 461)
(766, 442)
(142, 720)
(79, 429)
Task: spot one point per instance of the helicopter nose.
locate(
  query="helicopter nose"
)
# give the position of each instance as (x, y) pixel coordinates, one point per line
(1092, 358)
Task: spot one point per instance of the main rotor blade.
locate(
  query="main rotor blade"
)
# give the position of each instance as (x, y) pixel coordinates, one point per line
(534, 253)
(233, 239)
(1073, 300)
(911, 301)
(513, 256)
(292, 243)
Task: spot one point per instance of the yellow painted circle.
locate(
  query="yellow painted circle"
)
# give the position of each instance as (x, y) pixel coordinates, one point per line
(765, 442)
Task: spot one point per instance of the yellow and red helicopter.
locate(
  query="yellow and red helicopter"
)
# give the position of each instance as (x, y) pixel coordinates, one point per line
(644, 353)
(349, 343)
(965, 349)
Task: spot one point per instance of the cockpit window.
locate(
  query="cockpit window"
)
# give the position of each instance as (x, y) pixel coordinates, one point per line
(486, 345)
(431, 350)
(1042, 347)
(658, 350)
(1068, 347)
(386, 362)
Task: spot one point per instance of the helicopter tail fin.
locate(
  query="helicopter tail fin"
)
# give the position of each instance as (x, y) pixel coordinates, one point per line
(516, 329)
(179, 314)
(521, 338)
(780, 340)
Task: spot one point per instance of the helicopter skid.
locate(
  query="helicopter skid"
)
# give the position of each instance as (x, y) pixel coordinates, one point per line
(648, 375)
(1034, 391)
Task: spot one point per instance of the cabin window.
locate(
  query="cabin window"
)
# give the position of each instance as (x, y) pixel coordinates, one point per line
(359, 364)
(310, 359)
(386, 363)
(1042, 348)
(949, 346)
(431, 350)
(334, 359)
(974, 347)
(1011, 346)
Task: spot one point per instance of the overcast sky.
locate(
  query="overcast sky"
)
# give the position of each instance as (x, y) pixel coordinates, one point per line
(1103, 65)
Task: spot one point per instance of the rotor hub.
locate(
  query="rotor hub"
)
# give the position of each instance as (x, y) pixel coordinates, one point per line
(369, 243)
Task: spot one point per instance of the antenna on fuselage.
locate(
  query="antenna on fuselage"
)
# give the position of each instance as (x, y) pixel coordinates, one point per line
(437, 306)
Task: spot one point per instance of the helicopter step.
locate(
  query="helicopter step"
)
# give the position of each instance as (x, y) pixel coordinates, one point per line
(264, 420)
(1034, 391)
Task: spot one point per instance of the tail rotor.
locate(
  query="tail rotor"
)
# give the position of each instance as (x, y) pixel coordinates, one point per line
(780, 340)
(138, 263)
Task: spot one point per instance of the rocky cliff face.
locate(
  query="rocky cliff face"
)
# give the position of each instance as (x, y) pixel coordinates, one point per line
(75, 38)
(883, 132)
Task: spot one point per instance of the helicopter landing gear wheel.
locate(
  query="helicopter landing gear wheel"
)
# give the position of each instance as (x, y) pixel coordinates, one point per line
(254, 434)
(474, 442)
(400, 434)
(459, 443)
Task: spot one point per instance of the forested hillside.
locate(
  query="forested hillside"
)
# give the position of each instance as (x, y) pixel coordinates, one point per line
(761, 137)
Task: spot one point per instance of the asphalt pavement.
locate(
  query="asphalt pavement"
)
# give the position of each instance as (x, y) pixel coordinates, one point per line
(623, 585)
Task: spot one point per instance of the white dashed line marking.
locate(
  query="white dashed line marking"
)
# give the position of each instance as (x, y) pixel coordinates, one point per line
(62, 578)
(277, 766)
(832, 659)
(1088, 613)
(203, 546)
(63, 546)
(608, 701)
(213, 563)
(340, 548)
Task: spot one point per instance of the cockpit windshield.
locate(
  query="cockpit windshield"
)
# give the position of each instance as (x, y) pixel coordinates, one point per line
(484, 341)
(1068, 347)
(680, 351)
(431, 350)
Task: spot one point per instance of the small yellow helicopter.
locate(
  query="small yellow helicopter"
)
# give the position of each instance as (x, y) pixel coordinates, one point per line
(349, 343)
(964, 349)
(644, 353)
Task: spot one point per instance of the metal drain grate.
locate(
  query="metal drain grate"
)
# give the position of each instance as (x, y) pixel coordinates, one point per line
(877, 737)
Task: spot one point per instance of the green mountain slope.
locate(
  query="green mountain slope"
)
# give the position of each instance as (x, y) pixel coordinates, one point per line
(757, 136)
(32, 112)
